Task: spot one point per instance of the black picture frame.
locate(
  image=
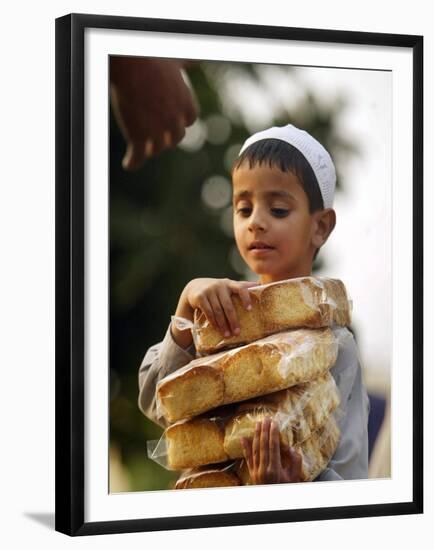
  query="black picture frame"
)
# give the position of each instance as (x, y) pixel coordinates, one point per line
(70, 268)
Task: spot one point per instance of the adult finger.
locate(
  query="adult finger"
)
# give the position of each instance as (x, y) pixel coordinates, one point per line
(149, 147)
(229, 310)
(178, 131)
(159, 142)
(191, 110)
(219, 315)
(167, 139)
(134, 155)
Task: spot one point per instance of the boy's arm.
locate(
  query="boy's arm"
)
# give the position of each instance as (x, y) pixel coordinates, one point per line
(159, 361)
(350, 461)
(177, 349)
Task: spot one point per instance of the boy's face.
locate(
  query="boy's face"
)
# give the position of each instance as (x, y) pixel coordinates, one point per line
(272, 224)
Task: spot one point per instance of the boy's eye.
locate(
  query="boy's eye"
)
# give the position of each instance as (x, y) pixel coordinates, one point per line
(244, 211)
(280, 212)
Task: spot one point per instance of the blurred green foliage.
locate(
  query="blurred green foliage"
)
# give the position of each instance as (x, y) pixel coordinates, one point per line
(164, 231)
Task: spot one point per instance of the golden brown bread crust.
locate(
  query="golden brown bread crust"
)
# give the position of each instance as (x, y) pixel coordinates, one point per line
(199, 479)
(194, 443)
(267, 365)
(319, 449)
(311, 302)
(191, 391)
(316, 453)
(215, 437)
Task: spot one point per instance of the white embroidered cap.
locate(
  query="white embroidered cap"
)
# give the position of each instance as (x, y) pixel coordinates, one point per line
(315, 154)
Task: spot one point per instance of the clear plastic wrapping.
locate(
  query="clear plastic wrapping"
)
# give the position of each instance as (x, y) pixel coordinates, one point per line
(315, 452)
(298, 412)
(310, 302)
(267, 365)
(219, 476)
(189, 444)
(215, 437)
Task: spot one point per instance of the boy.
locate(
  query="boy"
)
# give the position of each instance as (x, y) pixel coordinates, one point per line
(283, 188)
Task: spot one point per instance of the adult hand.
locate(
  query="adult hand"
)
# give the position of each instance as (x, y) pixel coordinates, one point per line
(267, 460)
(152, 105)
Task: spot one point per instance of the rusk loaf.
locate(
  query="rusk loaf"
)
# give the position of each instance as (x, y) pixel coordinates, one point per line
(298, 411)
(311, 302)
(193, 443)
(265, 366)
(210, 477)
(316, 453)
(215, 437)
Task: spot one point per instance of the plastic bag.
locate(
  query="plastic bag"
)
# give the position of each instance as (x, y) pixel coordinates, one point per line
(310, 302)
(264, 366)
(220, 476)
(215, 437)
(298, 412)
(315, 452)
(268, 365)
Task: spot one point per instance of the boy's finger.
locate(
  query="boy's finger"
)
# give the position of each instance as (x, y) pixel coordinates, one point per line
(247, 451)
(248, 284)
(228, 307)
(256, 444)
(245, 297)
(265, 444)
(295, 466)
(219, 315)
(285, 454)
(241, 288)
(275, 463)
(205, 306)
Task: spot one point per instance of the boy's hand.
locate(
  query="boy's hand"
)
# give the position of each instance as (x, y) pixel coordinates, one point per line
(267, 460)
(213, 297)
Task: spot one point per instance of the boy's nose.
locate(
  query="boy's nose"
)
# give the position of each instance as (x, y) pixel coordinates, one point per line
(257, 223)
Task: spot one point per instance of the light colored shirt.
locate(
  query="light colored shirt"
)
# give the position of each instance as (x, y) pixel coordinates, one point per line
(350, 460)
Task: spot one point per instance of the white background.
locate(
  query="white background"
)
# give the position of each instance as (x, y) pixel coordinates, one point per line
(103, 507)
(27, 272)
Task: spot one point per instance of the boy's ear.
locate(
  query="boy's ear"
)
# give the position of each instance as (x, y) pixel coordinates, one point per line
(324, 222)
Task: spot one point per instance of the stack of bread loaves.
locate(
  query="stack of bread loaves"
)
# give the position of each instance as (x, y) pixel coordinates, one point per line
(277, 366)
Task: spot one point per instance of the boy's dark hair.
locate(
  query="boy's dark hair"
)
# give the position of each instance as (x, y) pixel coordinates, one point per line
(287, 158)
